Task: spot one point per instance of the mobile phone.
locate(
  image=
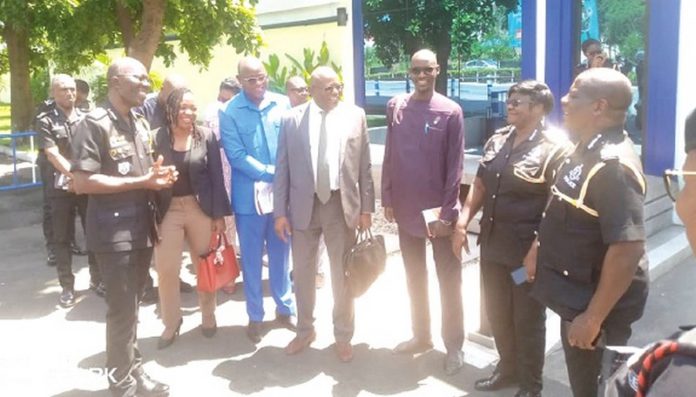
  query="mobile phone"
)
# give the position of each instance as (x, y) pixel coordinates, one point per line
(519, 275)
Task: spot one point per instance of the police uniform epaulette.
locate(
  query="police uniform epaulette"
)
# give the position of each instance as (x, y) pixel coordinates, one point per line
(97, 114)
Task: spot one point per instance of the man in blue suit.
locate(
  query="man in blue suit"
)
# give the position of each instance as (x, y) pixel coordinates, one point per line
(249, 128)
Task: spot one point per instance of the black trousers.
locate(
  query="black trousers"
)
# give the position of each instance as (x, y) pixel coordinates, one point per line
(46, 183)
(584, 365)
(124, 277)
(518, 323)
(449, 275)
(63, 225)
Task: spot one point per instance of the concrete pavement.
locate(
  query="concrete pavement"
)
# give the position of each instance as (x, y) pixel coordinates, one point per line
(50, 351)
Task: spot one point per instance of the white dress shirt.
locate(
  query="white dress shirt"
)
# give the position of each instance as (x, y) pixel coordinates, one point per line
(335, 130)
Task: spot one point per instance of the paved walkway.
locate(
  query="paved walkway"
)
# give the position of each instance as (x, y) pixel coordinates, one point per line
(50, 351)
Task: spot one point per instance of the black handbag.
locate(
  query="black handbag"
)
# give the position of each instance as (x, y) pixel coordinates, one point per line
(364, 262)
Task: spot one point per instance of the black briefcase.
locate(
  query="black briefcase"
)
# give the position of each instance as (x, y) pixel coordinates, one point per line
(364, 262)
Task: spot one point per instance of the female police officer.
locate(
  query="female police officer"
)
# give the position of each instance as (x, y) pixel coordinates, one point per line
(512, 186)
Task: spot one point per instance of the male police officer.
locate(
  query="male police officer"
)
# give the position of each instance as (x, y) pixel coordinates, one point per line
(112, 163)
(54, 127)
(592, 267)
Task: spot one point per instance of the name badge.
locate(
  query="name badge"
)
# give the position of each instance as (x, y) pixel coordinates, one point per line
(124, 167)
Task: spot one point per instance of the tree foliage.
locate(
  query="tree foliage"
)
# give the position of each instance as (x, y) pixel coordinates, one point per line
(404, 26)
(64, 35)
(623, 24)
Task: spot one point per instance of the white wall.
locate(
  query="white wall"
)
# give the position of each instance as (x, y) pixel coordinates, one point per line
(686, 78)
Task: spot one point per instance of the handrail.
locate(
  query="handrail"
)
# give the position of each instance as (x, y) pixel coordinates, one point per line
(16, 183)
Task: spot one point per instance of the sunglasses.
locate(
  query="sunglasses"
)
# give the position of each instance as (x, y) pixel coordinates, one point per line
(255, 80)
(418, 70)
(671, 179)
(516, 102)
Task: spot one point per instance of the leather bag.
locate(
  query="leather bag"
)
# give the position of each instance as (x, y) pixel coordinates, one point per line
(364, 262)
(218, 266)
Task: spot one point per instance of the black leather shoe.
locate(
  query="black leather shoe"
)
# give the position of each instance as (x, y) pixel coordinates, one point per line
(527, 393)
(98, 288)
(496, 381)
(413, 346)
(254, 330)
(77, 250)
(67, 298)
(163, 343)
(454, 361)
(148, 387)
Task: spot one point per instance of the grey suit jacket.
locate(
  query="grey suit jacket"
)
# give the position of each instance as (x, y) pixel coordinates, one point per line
(293, 186)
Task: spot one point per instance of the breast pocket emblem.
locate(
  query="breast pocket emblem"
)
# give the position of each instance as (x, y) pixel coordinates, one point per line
(124, 167)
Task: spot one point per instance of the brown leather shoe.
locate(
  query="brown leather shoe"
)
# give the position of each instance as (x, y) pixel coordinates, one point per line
(344, 351)
(300, 343)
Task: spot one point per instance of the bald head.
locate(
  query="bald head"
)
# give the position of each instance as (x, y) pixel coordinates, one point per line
(63, 91)
(607, 84)
(322, 73)
(253, 78)
(424, 55)
(170, 83)
(325, 87)
(128, 84)
(124, 65)
(249, 64)
(296, 90)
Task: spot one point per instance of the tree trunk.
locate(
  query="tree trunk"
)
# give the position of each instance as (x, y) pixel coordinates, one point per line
(143, 44)
(22, 112)
(443, 47)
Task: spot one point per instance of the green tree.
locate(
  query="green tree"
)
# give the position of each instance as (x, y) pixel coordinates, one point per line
(623, 24)
(404, 26)
(24, 26)
(72, 33)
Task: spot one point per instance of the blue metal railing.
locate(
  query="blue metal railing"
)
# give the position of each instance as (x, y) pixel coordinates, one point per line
(30, 157)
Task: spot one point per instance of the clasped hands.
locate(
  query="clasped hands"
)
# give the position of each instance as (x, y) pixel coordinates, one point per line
(161, 176)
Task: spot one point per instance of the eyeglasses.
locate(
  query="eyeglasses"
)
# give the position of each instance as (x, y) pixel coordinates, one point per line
(418, 70)
(671, 179)
(255, 80)
(516, 102)
(300, 90)
(337, 87)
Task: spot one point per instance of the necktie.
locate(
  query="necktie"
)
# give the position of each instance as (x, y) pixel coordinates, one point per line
(323, 186)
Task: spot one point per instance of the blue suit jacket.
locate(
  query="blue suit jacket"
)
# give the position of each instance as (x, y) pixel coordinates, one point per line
(249, 137)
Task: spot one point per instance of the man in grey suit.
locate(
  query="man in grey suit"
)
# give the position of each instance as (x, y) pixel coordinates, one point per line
(323, 186)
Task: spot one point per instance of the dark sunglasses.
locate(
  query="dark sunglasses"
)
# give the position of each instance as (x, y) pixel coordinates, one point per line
(671, 179)
(418, 70)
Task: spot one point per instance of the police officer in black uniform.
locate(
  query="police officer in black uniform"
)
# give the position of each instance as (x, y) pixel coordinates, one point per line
(512, 186)
(46, 175)
(54, 127)
(112, 162)
(592, 265)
